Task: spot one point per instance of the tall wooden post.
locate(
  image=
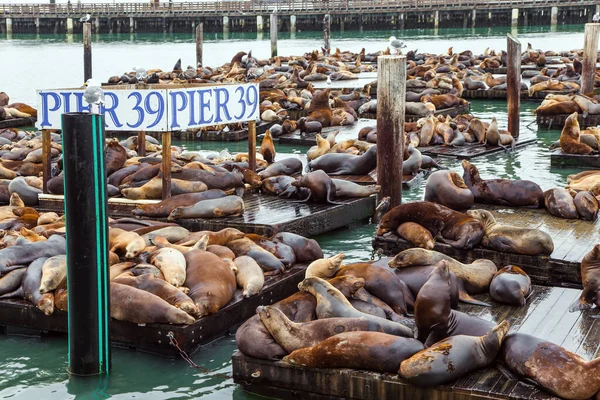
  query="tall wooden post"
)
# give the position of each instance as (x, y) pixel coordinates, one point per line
(252, 145)
(46, 158)
(273, 22)
(590, 55)
(199, 40)
(141, 143)
(166, 165)
(87, 51)
(513, 83)
(327, 32)
(391, 90)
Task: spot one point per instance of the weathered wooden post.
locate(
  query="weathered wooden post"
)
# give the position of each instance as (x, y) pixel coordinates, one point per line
(87, 243)
(166, 165)
(327, 32)
(199, 40)
(590, 56)
(391, 90)
(87, 51)
(513, 83)
(46, 159)
(273, 22)
(141, 143)
(252, 145)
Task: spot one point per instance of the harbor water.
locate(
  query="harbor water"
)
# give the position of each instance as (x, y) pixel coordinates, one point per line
(36, 368)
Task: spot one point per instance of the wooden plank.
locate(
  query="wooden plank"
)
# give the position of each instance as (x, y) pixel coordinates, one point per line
(252, 145)
(590, 57)
(557, 121)
(141, 143)
(452, 112)
(166, 165)
(560, 159)
(17, 122)
(473, 150)
(46, 158)
(513, 80)
(199, 43)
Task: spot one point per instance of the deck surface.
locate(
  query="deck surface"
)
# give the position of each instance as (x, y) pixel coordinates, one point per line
(546, 316)
(501, 94)
(559, 158)
(472, 150)
(573, 239)
(557, 121)
(152, 337)
(408, 181)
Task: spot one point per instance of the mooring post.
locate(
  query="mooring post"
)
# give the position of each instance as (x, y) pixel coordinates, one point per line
(514, 21)
(166, 165)
(199, 42)
(87, 51)
(513, 82)
(554, 17)
(252, 145)
(273, 27)
(590, 56)
(141, 143)
(69, 26)
(259, 23)
(46, 159)
(473, 18)
(327, 32)
(292, 24)
(9, 29)
(87, 243)
(391, 90)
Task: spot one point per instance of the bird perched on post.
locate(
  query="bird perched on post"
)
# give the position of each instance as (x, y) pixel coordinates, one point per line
(140, 73)
(395, 45)
(94, 95)
(596, 17)
(86, 18)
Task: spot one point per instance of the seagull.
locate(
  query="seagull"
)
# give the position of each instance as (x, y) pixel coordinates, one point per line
(395, 45)
(94, 95)
(140, 73)
(86, 18)
(596, 17)
(328, 80)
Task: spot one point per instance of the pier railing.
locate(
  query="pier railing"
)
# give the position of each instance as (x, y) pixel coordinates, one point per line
(267, 6)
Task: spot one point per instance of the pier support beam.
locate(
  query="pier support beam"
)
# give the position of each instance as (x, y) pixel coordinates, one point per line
(401, 17)
(69, 26)
(513, 82)
(473, 18)
(514, 22)
(292, 24)
(259, 23)
(436, 19)
(590, 55)
(9, 26)
(273, 28)
(87, 51)
(37, 25)
(225, 25)
(554, 17)
(199, 41)
(97, 24)
(131, 25)
(327, 32)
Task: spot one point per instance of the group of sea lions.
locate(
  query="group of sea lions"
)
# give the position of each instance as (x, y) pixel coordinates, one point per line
(14, 110)
(575, 141)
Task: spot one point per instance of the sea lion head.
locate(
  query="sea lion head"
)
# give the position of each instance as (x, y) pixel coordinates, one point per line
(16, 201)
(410, 257)
(347, 284)
(471, 170)
(484, 216)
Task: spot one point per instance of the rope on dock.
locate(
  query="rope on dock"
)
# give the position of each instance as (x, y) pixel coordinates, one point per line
(187, 358)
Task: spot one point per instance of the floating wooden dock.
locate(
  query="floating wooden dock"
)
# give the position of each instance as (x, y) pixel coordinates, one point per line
(546, 316)
(408, 181)
(452, 111)
(557, 121)
(310, 139)
(573, 239)
(264, 215)
(501, 94)
(17, 122)
(559, 158)
(472, 150)
(153, 337)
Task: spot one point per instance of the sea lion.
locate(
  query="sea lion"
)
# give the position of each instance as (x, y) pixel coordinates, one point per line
(119, 268)
(270, 264)
(512, 239)
(586, 205)
(347, 189)
(229, 206)
(27, 193)
(267, 147)
(115, 156)
(321, 187)
(306, 250)
(293, 336)
(30, 288)
(416, 235)
(126, 244)
(16, 256)
(590, 279)
(332, 303)
(511, 285)
(288, 166)
(172, 264)
(221, 251)
(504, 192)
(569, 137)
(153, 189)
(446, 225)
(54, 271)
(345, 164)
(165, 207)
(372, 351)
(452, 358)
(552, 367)
(172, 233)
(282, 186)
(449, 189)
(560, 203)
(478, 129)
(320, 149)
(211, 281)
(12, 280)
(280, 250)
(382, 208)
(46, 218)
(140, 307)
(249, 276)
(325, 268)
(427, 131)
(412, 165)
(495, 138)
(222, 237)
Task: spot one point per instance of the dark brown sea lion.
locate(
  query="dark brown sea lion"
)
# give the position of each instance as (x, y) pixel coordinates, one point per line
(449, 189)
(416, 277)
(552, 367)
(511, 285)
(210, 208)
(586, 205)
(306, 250)
(282, 186)
(280, 250)
(16, 256)
(449, 226)
(416, 235)
(433, 303)
(504, 192)
(371, 351)
(165, 207)
(214, 180)
(569, 137)
(453, 358)
(322, 188)
(267, 148)
(590, 278)
(345, 164)
(117, 177)
(560, 203)
(115, 156)
(222, 237)
(319, 109)
(512, 239)
(288, 166)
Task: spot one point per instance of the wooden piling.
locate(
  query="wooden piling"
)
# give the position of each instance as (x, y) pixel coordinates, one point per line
(87, 51)
(141, 143)
(590, 55)
(252, 145)
(166, 165)
(199, 40)
(46, 159)
(327, 32)
(391, 90)
(273, 22)
(513, 82)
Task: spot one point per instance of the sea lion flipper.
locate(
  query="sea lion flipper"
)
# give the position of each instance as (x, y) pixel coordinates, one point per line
(17, 293)
(466, 298)
(239, 191)
(580, 304)
(506, 372)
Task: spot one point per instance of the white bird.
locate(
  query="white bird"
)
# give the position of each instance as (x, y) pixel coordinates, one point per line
(328, 80)
(86, 18)
(395, 45)
(596, 17)
(94, 95)
(140, 73)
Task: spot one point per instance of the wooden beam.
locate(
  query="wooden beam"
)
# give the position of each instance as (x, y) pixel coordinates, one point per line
(391, 90)
(327, 32)
(273, 27)
(199, 40)
(46, 159)
(87, 51)
(141, 143)
(166, 165)
(513, 82)
(252, 145)
(590, 56)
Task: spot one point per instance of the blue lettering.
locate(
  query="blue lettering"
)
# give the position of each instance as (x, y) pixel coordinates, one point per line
(45, 109)
(79, 104)
(192, 100)
(66, 101)
(222, 97)
(136, 107)
(174, 107)
(110, 111)
(204, 105)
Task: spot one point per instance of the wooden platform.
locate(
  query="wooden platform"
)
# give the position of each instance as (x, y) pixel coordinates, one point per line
(153, 337)
(17, 122)
(501, 94)
(408, 181)
(559, 158)
(573, 239)
(310, 139)
(472, 150)
(558, 121)
(546, 316)
(453, 112)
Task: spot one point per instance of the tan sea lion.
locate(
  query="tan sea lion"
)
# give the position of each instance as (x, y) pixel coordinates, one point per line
(172, 264)
(127, 244)
(569, 137)
(229, 206)
(54, 271)
(321, 148)
(47, 218)
(416, 234)
(221, 238)
(325, 268)
(586, 205)
(495, 138)
(153, 189)
(249, 276)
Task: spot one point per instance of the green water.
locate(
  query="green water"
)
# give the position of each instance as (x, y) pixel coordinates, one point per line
(35, 368)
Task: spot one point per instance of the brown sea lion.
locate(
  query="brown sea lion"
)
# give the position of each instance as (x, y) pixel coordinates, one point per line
(569, 137)
(115, 156)
(512, 239)
(552, 367)
(416, 235)
(504, 192)
(453, 358)
(289, 166)
(222, 237)
(449, 189)
(416, 277)
(249, 276)
(270, 264)
(229, 206)
(586, 205)
(446, 225)
(306, 250)
(322, 188)
(345, 164)
(221, 251)
(511, 285)
(433, 302)
(165, 207)
(347, 189)
(16, 256)
(590, 278)
(560, 203)
(325, 268)
(12, 280)
(494, 137)
(267, 148)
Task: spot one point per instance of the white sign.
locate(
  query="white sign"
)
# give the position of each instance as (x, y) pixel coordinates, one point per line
(156, 110)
